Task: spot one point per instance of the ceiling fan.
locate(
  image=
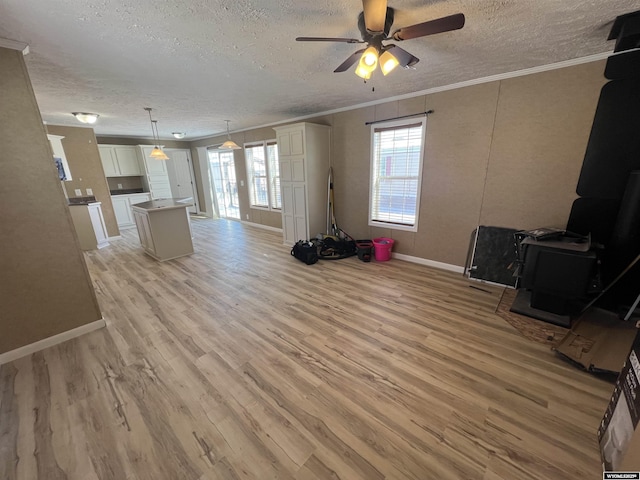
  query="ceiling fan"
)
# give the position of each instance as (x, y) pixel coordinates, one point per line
(374, 23)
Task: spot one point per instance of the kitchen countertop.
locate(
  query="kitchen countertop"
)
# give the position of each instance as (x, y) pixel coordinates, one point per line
(164, 204)
(88, 200)
(126, 191)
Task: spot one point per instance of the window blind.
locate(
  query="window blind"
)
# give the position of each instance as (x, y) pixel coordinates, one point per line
(274, 174)
(396, 166)
(263, 172)
(257, 172)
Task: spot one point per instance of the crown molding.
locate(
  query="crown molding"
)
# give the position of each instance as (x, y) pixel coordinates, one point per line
(453, 86)
(14, 45)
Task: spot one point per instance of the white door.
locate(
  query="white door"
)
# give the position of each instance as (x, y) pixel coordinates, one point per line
(182, 181)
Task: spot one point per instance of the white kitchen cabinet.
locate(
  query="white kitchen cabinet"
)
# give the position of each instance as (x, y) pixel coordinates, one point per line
(139, 198)
(120, 160)
(99, 227)
(304, 151)
(159, 186)
(108, 161)
(156, 174)
(153, 165)
(89, 225)
(122, 210)
(122, 207)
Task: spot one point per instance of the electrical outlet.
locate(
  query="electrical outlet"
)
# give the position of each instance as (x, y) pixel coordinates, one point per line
(89, 191)
(119, 186)
(78, 192)
(247, 216)
(242, 183)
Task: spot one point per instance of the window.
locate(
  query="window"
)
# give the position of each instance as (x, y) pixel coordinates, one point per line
(263, 174)
(396, 169)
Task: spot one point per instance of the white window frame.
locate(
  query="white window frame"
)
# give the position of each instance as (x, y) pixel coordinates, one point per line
(270, 176)
(373, 186)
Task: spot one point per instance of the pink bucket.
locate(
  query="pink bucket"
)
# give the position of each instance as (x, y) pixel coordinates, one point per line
(382, 248)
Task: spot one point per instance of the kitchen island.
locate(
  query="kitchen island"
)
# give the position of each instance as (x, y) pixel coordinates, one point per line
(164, 227)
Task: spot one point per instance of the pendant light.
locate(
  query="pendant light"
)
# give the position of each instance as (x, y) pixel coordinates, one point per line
(229, 144)
(157, 152)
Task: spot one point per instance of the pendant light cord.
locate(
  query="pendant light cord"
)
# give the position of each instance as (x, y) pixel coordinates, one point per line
(153, 130)
(157, 135)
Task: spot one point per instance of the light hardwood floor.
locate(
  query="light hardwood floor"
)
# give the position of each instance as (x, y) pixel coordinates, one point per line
(239, 362)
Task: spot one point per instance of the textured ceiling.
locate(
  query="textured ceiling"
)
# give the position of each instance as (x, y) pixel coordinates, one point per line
(199, 62)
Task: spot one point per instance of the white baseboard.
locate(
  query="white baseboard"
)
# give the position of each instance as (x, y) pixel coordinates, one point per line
(428, 263)
(265, 227)
(12, 355)
(117, 237)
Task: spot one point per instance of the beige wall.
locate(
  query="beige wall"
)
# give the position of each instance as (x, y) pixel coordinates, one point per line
(505, 153)
(124, 182)
(81, 149)
(458, 143)
(45, 287)
(540, 137)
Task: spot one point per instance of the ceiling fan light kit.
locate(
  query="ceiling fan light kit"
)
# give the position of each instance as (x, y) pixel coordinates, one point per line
(370, 57)
(363, 72)
(374, 23)
(388, 62)
(368, 63)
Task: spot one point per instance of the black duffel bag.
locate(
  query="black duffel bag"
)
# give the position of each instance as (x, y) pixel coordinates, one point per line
(306, 252)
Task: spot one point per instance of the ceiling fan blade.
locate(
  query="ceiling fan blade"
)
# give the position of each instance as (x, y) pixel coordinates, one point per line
(405, 59)
(328, 39)
(375, 14)
(444, 24)
(349, 61)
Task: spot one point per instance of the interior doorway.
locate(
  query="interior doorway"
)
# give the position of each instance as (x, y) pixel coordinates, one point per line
(224, 186)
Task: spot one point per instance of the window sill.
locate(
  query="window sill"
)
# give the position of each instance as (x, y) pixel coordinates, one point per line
(394, 226)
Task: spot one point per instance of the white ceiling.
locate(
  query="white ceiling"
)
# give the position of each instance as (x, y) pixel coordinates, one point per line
(199, 62)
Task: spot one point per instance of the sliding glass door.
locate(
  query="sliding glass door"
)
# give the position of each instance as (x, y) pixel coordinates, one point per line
(224, 187)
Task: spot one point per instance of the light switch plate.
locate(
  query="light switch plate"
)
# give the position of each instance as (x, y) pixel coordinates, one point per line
(78, 192)
(89, 191)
